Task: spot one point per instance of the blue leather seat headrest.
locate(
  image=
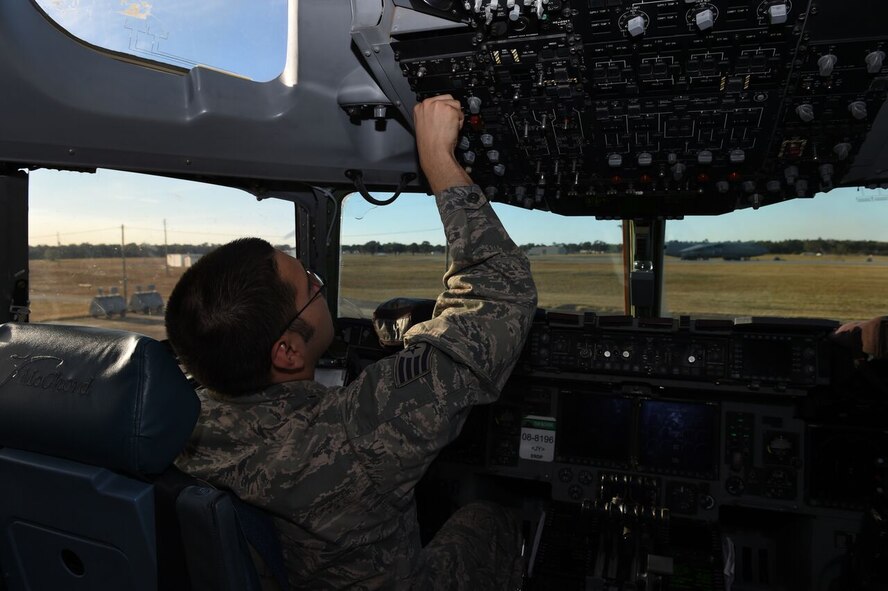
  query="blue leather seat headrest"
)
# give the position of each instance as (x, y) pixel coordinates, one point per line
(103, 397)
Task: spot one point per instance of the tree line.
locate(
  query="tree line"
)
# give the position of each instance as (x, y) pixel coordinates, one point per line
(373, 247)
(799, 246)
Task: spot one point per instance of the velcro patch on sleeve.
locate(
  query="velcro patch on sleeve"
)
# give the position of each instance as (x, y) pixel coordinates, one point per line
(412, 363)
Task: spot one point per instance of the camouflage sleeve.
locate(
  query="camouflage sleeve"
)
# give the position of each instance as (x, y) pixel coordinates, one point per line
(484, 314)
(402, 410)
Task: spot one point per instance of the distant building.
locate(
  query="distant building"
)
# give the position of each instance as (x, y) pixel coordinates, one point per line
(182, 260)
(545, 250)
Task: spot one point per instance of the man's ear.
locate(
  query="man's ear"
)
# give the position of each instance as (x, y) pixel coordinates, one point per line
(288, 354)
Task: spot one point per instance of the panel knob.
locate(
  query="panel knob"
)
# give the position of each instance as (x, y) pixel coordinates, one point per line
(737, 156)
(486, 140)
(826, 63)
(791, 173)
(499, 170)
(469, 157)
(826, 172)
(705, 19)
(474, 105)
(749, 186)
(464, 143)
(678, 170)
(645, 159)
(722, 186)
(805, 112)
(636, 26)
(801, 187)
(615, 160)
(704, 157)
(773, 186)
(493, 155)
(842, 150)
(858, 110)
(777, 14)
(874, 61)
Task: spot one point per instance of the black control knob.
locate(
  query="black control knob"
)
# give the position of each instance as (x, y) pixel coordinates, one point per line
(805, 112)
(826, 63)
(735, 485)
(858, 110)
(842, 150)
(874, 61)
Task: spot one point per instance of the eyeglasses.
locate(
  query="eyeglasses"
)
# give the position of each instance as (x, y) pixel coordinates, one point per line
(314, 280)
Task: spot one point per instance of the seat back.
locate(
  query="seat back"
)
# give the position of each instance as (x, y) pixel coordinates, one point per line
(87, 417)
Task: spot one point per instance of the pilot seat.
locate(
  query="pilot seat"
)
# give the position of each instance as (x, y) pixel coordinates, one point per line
(90, 423)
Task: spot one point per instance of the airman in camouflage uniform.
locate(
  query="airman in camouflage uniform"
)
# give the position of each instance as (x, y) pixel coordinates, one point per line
(337, 467)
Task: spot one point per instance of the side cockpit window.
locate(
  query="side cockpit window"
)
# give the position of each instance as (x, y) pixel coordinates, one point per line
(106, 249)
(243, 37)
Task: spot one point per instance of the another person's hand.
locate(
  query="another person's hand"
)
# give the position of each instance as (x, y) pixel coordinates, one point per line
(869, 337)
(438, 120)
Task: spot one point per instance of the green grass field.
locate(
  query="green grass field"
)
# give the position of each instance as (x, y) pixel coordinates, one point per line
(840, 288)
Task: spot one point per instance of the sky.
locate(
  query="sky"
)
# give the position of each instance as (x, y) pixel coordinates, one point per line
(248, 37)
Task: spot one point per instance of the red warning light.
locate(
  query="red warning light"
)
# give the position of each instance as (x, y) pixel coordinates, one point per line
(616, 179)
(702, 178)
(475, 122)
(645, 178)
(734, 177)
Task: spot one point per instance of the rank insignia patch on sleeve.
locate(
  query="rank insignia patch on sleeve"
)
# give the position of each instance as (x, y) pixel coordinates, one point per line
(412, 363)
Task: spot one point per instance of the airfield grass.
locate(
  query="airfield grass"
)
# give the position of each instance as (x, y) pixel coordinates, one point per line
(837, 287)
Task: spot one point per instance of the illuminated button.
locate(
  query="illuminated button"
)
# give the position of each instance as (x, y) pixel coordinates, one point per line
(692, 359)
(607, 354)
(626, 354)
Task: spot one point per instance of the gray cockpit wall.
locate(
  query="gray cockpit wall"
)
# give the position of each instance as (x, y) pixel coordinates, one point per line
(68, 105)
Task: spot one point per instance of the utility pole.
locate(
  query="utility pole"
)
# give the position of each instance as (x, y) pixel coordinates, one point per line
(166, 252)
(123, 260)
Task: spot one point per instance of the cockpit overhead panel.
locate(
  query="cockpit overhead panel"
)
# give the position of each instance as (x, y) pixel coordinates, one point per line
(666, 107)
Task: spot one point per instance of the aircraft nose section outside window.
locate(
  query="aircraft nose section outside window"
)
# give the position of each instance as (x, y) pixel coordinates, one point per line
(243, 37)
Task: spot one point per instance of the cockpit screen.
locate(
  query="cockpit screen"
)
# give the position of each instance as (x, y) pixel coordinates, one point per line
(678, 438)
(595, 428)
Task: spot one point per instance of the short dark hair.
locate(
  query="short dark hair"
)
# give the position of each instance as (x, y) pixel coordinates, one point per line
(225, 314)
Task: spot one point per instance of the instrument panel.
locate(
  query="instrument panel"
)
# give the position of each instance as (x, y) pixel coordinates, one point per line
(654, 107)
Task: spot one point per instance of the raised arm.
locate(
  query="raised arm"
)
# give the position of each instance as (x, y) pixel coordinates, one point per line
(484, 314)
